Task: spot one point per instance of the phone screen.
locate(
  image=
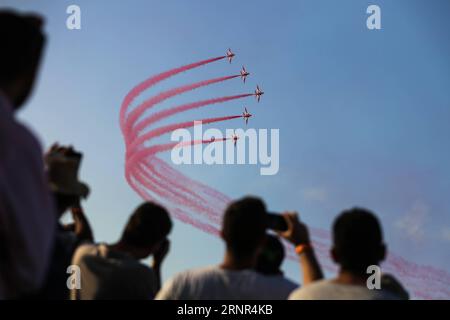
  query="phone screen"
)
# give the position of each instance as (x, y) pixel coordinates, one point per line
(276, 222)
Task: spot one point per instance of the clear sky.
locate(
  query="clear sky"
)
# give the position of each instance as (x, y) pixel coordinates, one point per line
(363, 115)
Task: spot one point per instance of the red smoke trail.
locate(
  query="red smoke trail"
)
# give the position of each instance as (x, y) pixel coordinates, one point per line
(184, 192)
(154, 80)
(178, 213)
(209, 195)
(169, 128)
(169, 112)
(196, 223)
(142, 154)
(139, 188)
(136, 113)
(155, 180)
(175, 184)
(158, 188)
(219, 199)
(166, 191)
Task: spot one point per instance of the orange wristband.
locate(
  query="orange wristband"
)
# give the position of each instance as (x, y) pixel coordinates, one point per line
(301, 248)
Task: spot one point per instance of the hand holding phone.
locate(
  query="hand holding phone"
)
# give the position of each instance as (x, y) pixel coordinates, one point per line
(276, 222)
(296, 232)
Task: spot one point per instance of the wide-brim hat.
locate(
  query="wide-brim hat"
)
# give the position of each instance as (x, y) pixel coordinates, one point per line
(62, 171)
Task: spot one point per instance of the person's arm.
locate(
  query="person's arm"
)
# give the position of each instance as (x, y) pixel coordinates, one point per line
(82, 228)
(158, 258)
(298, 234)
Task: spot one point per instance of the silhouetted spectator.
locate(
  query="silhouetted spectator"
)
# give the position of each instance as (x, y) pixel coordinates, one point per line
(269, 262)
(357, 244)
(62, 168)
(114, 271)
(391, 284)
(244, 233)
(27, 215)
(270, 257)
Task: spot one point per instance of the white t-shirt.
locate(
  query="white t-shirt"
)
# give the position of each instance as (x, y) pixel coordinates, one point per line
(214, 283)
(106, 274)
(330, 290)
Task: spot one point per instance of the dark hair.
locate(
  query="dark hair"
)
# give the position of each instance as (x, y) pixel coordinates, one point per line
(358, 240)
(149, 224)
(271, 257)
(244, 226)
(21, 45)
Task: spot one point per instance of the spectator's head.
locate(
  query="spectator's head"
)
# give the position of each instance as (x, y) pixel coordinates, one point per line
(22, 42)
(358, 241)
(62, 169)
(146, 229)
(271, 256)
(244, 228)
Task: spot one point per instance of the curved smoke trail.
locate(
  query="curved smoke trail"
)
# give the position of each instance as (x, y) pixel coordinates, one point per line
(201, 206)
(157, 116)
(137, 90)
(139, 110)
(169, 128)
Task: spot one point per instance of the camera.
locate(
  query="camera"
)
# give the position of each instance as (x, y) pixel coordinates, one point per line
(276, 221)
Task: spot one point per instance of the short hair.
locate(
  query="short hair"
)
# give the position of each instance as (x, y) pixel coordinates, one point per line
(358, 238)
(149, 224)
(244, 226)
(271, 256)
(21, 45)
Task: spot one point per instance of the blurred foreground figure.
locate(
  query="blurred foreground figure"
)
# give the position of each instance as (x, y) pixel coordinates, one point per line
(113, 271)
(27, 215)
(269, 263)
(357, 244)
(62, 169)
(244, 233)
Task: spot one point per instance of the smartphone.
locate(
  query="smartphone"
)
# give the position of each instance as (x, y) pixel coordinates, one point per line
(276, 222)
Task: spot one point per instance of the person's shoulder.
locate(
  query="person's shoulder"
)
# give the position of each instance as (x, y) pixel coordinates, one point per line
(86, 249)
(198, 273)
(180, 286)
(282, 281)
(311, 290)
(27, 137)
(20, 144)
(272, 287)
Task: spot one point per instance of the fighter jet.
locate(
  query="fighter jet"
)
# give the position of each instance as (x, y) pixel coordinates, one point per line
(235, 138)
(246, 115)
(244, 74)
(230, 55)
(258, 93)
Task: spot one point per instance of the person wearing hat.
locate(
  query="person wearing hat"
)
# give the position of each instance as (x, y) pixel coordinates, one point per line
(62, 170)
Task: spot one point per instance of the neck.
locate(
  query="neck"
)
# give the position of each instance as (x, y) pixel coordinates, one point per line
(351, 278)
(10, 95)
(5, 100)
(231, 262)
(123, 248)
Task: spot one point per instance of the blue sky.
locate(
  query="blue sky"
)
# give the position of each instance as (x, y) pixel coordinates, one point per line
(363, 115)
